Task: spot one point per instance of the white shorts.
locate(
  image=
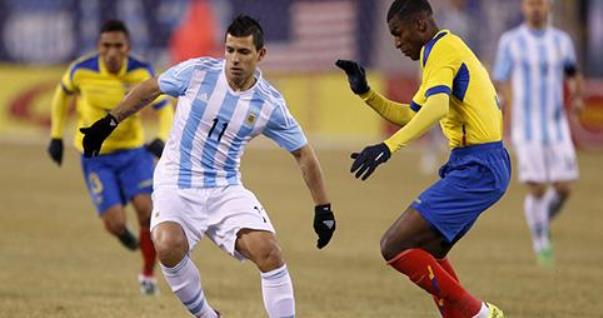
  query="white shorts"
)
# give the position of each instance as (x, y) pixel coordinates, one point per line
(546, 164)
(218, 213)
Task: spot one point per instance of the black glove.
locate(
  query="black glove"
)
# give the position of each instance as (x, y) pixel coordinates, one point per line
(356, 76)
(55, 150)
(96, 134)
(367, 161)
(155, 147)
(324, 224)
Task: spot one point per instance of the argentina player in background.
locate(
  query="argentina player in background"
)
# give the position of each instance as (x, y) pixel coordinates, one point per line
(536, 59)
(223, 104)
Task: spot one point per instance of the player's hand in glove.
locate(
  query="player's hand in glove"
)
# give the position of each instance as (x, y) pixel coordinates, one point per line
(96, 134)
(155, 147)
(356, 76)
(324, 224)
(367, 161)
(55, 150)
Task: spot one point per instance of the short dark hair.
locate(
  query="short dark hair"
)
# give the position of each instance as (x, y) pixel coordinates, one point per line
(114, 26)
(244, 25)
(407, 8)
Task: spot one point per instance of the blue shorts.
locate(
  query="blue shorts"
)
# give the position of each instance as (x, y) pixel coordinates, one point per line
(473, 179)
(117, 177)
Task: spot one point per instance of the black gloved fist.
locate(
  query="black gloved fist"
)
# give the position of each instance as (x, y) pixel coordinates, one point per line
(55, 150)
(324, 224)
(155, 147)
(367, 161)
(356, 76)
(96, 134)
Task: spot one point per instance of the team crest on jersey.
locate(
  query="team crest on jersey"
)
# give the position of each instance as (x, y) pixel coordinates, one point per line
(250, 120)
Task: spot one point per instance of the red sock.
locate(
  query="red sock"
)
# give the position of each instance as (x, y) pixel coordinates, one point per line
(423, 270)
(448, 268)
(148, 252)
(446, 310)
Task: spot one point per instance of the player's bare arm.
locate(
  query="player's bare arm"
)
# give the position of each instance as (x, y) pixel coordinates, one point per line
(140, 96)
(312, 173)
(324, 219)
(575, 84)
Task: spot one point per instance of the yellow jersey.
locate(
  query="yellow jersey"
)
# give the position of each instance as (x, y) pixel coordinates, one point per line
(449, 66)
(98, 91)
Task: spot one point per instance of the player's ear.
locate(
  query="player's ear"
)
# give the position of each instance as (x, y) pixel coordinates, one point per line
(421, 24)
(261, 54)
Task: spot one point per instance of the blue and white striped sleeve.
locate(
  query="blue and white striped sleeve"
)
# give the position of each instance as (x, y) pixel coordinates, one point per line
(284, 129)
(503, 64)
(175, 80)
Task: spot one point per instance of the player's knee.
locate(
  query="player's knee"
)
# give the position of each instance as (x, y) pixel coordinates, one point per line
(389, 249)
(537, 189)
(269, 257)
(171, 246)
(115, 227)
(564, 190)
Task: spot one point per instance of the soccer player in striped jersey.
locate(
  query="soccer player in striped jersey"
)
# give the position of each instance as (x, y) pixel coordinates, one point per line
(223, 104)
(456, 91)
(123, 171)
(536, 59)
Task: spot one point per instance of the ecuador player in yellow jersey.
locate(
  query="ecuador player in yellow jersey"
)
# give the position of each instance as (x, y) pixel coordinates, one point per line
(456, 91)
(124, 170)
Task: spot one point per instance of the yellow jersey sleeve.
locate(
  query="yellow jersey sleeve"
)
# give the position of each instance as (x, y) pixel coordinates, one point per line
(60, 102)
(435, 108)
(67, 82)
(396, 113)
(58, 112)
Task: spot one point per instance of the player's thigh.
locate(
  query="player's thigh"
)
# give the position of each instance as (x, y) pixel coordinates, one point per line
(410, 230)
(136, 173)
(563, 163)
(185, 207)
(102, 184)
(532, 165)
(232, 209)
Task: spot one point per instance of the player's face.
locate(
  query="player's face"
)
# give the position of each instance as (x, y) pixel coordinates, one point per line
(536, 12)
(406, 37)
(241, 59)
(113, 48)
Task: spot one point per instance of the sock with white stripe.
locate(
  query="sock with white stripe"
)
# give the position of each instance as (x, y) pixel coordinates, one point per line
(185, 281)
(484, 311)
(537, 217)
(277, 290)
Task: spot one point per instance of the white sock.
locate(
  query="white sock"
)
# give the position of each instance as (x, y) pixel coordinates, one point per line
(537, 216)
(185, 281)
(277, 290)
(483, 312)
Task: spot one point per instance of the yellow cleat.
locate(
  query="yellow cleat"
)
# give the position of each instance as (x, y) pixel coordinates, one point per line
(495, 312)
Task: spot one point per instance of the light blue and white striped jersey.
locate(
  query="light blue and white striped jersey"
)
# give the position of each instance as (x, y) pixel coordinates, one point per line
(534, 61)
(213, 124)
